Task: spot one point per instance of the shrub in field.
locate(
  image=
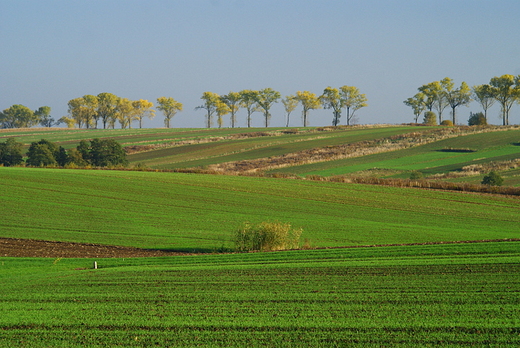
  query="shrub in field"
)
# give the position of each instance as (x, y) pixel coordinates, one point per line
(430, 118)
(267, 236)
(448, 123)
(415, 175)
(493, 179)
(477, 119)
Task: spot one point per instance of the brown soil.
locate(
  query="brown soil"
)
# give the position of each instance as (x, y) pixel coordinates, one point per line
(12, 247)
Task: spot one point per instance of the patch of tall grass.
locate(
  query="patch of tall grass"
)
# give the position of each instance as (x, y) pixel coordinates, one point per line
(267, 236)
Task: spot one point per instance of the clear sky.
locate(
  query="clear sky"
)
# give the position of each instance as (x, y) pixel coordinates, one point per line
(56, 50)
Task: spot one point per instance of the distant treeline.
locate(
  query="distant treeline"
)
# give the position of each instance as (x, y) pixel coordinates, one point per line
(107, 109)
(44, 153)
(439, 95)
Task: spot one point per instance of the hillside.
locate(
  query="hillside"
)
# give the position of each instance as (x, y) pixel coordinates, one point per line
(190, 212)
(462, 154)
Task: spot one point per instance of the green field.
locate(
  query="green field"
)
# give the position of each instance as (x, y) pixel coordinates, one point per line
(189, 211)
(413, 296)
(404, 295)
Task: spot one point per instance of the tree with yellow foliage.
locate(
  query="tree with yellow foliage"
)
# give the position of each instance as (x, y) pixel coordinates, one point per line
(331, 99)
(232, 100)
(352, 101)
(143, 108)
(222, 109)
(289, 103)
(169, 108)
(210, 105)
(309, 101)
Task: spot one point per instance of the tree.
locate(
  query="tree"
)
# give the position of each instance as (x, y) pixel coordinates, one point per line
(221, 109)
(11, 153)
(90, 103)
(352, 101)
(430, 118)
(43, 114)
(45, 153)
(477, 119)
(77, 111)
(265, 99)
(484, 96)
(309, 101)
(289, 103)
(143, 108)
(492, 179)
(169, 107)
(331, 99)
(67, 120)
(248, 100)
(506, 92)
(429, 91)
(107, 108)
(417, 103)
(126, 112)
(106, 152)
(210, 105)
(435, 93)
(232, 100)
(18, 116)
(456, 97)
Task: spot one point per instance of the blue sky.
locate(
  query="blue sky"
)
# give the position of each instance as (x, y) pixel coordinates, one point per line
(56, 50)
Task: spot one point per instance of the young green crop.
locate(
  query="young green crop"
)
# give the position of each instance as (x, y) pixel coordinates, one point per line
(188, 212)
(443, 295)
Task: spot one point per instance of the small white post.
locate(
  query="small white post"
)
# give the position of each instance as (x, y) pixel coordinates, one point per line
(95, 264)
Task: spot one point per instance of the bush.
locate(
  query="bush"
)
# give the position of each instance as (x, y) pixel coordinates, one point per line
(477, 119)
(267, 236)
(430, 118)
(493, 179)
(415, 175)
(447, 123)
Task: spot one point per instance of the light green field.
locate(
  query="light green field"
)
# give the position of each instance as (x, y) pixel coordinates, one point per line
(414, 296)
(189, 211)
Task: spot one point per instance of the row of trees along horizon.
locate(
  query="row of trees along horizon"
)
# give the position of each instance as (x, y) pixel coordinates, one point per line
(439, 95)
(88, 111)
(108, 109)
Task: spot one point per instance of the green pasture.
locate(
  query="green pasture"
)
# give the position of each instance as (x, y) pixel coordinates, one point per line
(454, 295)
(201, 212)
(429, 158)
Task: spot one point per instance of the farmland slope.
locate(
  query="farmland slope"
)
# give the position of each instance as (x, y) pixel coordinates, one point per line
(200, 212)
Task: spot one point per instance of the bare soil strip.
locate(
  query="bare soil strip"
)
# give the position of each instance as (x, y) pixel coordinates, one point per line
(13, 247)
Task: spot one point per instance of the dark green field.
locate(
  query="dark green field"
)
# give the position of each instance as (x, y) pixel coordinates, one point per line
(438, 296)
